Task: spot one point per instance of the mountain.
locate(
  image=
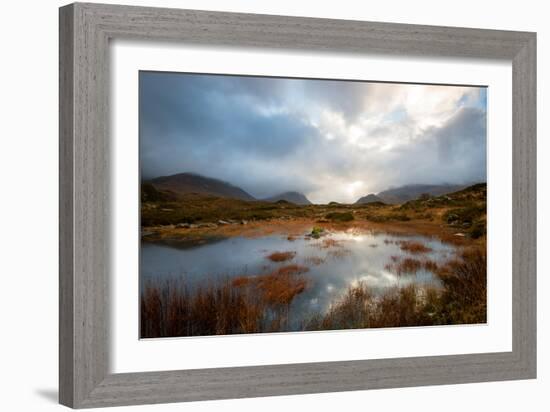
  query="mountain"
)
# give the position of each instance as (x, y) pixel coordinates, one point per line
(371, 198)
(292, 197)
(410, 192)
(183, 183)
(150, 193)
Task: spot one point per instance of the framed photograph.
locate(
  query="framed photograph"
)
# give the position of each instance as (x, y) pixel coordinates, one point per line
(255, 205)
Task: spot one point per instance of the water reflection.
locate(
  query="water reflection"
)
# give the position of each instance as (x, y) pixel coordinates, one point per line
(335, 262)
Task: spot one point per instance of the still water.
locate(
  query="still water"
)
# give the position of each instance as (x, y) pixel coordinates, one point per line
(332, 269)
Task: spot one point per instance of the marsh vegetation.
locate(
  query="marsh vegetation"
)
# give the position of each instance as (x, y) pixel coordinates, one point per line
(302, 268)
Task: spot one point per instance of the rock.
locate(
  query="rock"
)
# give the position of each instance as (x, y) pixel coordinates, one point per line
(223, 222)
(244, 222)
(460, 234)
(193, 226)
(183, 226)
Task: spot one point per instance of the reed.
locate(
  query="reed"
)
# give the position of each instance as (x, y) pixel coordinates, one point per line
(243, 304)
(252, 304)
(414, 247)
(462, 299)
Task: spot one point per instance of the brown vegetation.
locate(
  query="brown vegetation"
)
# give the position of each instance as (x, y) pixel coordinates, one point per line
(461, 300)
(360, 308)
(262, 303)
(196, 217)
(241, 305)
(410, 266)
(414, 247)
(281, 256)
(464, 281)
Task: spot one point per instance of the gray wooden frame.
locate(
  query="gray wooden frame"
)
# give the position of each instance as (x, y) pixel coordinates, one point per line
(85, 31)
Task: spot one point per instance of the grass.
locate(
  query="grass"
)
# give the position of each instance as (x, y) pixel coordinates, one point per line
(360, 308)
(464, 297)
(414, 247)
(410, 266)
(461, 300)
(281, 256)
(478, 229)
(241, 305)
(165, 208)
(340, 216)
(471, 218)
(170, 309)
(192, 217)
(252, 304)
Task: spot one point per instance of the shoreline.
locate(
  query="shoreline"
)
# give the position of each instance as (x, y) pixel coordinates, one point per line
(298, 227)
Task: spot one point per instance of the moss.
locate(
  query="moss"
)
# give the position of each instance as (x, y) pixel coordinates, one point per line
(316, 232)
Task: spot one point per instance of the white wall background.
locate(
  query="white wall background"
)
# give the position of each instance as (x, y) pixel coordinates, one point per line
(28, 205)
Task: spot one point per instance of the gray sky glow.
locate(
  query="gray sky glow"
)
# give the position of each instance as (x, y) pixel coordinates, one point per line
(331, 140)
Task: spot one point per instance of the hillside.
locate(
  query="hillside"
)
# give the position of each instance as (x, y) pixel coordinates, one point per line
(370, 198)
(150, 193)
(292, 197)
(183, 183)
(411, 192)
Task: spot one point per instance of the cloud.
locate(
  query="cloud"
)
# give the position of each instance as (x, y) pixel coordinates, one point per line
(331, 140)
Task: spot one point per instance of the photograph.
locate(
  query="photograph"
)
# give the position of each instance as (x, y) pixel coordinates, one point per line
(271, 204)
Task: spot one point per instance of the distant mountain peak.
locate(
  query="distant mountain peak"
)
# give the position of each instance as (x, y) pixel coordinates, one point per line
(370, 198)
(182, 183)
(293, 197)
(408, 192)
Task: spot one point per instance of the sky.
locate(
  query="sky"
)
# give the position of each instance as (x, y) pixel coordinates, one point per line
(330, 140)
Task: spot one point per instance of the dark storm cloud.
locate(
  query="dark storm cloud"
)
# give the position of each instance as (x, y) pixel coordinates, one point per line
(207, 125)
(328, 139)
